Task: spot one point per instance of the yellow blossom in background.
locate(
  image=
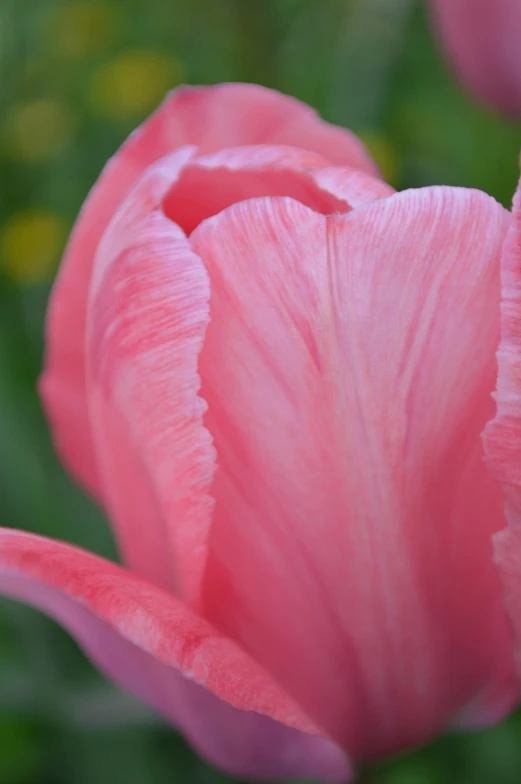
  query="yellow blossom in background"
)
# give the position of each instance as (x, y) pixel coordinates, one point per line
(35, 130)
(383, 152)
(80, 29)
(133, 83)
(31, 243)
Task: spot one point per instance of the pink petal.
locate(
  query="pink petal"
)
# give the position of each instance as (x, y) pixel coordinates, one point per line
(347, 367)
(482, 38)
(208, 184)
(152, 645)
(62, 385)
(232, 115)
(212, 118)
(502, 437)
(147, 317)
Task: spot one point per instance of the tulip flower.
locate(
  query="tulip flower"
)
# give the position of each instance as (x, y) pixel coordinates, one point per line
(482, 39)
(273, 374)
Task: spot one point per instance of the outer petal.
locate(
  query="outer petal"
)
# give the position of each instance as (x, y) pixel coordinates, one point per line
(212, 118)
(502, 437)
(482, 38)
(147, 317)
(348, 367)
(210, 183)
(62, 385)
(153, 646)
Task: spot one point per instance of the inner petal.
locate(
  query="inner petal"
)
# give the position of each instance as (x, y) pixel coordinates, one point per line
(213, 182)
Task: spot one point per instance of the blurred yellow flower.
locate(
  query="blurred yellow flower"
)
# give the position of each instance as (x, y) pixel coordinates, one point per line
(31, 243)
(35, 130)
(133, 83)
(80, 29)
(383, 152)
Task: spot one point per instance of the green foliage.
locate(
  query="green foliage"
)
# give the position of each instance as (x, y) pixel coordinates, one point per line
(76, 76)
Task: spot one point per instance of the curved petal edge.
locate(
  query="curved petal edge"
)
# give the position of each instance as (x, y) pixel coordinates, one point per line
(153, 646)
(502, 436)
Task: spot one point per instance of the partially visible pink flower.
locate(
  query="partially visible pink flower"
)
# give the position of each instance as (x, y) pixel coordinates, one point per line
(482, 38)
(273, 373)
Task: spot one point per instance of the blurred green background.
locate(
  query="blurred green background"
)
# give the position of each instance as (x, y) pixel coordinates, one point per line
(76, 76)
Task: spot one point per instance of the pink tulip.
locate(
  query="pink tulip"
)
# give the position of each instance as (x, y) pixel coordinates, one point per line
(273, 373)
(483, 40)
